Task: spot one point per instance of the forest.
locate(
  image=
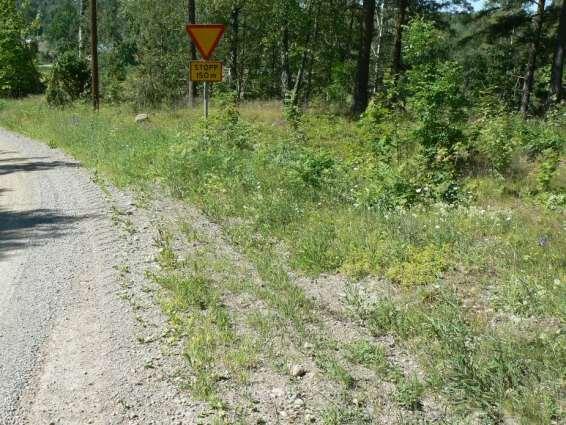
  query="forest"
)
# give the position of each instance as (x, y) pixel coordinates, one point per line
(392, 171)
(340, 53)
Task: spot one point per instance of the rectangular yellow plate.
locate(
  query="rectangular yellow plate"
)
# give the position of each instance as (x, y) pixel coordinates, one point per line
(206, 71)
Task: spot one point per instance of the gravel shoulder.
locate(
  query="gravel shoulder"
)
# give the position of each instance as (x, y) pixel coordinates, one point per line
(81, 339)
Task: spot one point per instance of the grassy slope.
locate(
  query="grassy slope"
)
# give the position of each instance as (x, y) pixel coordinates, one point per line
(474, 294)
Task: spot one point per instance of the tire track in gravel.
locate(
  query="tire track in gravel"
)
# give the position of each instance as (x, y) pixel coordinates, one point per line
(69, 344)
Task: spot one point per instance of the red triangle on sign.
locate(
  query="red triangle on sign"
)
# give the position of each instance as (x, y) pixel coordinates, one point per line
(206, 37)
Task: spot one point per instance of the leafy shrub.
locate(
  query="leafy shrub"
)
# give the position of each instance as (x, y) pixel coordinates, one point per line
(497, 141)
(340, 89)
(380, 128)
(314, 169)
(544, 141)
(69, 80)
(547, 169)
(390, 187)
(437, 102)
(18, 75)
(292, 112)
(540, 139)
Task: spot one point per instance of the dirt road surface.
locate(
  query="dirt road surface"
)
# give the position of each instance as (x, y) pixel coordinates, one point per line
(69, 345)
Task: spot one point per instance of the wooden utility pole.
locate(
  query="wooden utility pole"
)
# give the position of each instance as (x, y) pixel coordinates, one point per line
(94, 55)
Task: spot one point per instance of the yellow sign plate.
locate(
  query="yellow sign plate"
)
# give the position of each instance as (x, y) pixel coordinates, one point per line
(206, 71)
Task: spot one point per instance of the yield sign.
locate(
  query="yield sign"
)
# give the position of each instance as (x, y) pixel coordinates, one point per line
(206, 37)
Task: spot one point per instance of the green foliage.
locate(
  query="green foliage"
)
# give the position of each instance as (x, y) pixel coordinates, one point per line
(292, 112)
(62, 22)
(410, 392)
(477, 295)
(69, 79)
(548, 166)
(315, 170)
(368, 354)
(488, 370)
(434, 88)
(18, 75)
(157, 30)
(335, 371)
(424, 265)
(497, 141)
(381, 128)
(340, 88)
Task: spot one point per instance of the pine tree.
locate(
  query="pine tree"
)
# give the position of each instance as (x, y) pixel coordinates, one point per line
(556, 89)
(18, 75)
(364, 57)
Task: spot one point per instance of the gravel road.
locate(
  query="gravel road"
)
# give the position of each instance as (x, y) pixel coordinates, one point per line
(70, 350)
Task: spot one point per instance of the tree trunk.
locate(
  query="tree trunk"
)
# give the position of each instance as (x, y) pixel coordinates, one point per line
(556, 88)
(285, 69)
(311, 60)
(308, 90)
(378, 47)
(362, 81)
(300, 76)
(305, 57)
(193, 51)
(234, 46)
(531, 65)
(94, 55)
(82, 14)
(397, 63)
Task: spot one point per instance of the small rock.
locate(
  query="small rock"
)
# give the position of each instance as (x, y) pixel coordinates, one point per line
(309, 418)
(141, 118)
(298, 403)
(298, 371)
